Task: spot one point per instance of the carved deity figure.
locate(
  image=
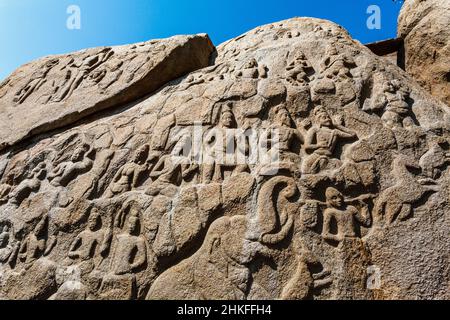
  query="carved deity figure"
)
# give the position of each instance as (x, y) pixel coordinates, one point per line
(252, 70)
(322, 139)
(286, 136)
(36, 244)
(129, 175)
(37, 79)
(392, 100)
(220, 141)
(31, 184)
(78, 164)
(345, 216)
(166, 173)
(299, 70)
(130, 251)
(336, 64)
(92, 241)
(82, 71)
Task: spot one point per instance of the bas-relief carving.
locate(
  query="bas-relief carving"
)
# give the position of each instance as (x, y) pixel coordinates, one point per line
(314, 187)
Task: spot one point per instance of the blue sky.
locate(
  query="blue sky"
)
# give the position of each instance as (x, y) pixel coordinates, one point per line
(30, 29)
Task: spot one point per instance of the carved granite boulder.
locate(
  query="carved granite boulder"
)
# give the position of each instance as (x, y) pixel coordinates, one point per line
(424, 24)
(297, 165)
(59, 90)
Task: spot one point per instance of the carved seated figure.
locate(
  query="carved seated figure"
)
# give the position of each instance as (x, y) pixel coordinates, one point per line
(65, 172)
(252, 70)
(322, 139)
(345, 216)
(90, 242)
(299, 70)
(166, 175)
(130, 254)
(36, 244)
(336, 64)
(129, 175)
(29, 185)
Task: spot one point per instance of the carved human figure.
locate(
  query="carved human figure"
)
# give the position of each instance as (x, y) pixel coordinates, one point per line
(129, 175)
(322, 139)
(252, 70)
(396, 202)
(130, 251)
(78, 164)
(36, 244)
(82, 72)
(31, 184)
(345, 216)
(299, 70)
(220, 141)
(336, 64)
(392, 101)
(166, 173)
(37, 79)
(92, 241)
(286, 136)
(6, 247)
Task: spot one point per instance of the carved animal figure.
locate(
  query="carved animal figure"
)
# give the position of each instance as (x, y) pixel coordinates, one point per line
(396, 202)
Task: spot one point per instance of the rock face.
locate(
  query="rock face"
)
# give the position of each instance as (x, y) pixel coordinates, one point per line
(424, 24)
(59, 90)
(316, 170)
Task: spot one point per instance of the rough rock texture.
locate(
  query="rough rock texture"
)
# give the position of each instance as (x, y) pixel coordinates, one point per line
(357, 206)
(59, 90)
(425, 26)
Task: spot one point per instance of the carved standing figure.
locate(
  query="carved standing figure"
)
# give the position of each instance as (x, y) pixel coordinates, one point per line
(220, 141)
(36, 244)
(285, 137)
(345, 216)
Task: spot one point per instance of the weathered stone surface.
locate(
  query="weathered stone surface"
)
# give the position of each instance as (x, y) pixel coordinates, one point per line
(425, 26)
(59, 90)
(356, 206)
